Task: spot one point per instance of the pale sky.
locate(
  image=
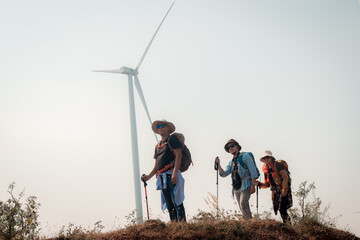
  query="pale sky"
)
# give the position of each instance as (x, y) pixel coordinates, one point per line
(277, 75)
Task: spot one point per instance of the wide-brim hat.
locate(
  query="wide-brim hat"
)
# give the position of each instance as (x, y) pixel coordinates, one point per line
(267, 153)
(230, 141)
(158, 122)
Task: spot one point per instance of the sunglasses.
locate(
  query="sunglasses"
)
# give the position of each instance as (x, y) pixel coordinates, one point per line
(160, 126)
(230, 146)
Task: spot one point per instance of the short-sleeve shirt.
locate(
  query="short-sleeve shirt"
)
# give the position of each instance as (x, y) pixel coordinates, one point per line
(163, 154)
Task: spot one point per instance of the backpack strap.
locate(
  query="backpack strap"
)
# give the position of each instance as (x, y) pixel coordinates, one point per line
(240, 160)
(162, 145)
(167, 167)
(271, 179)
(159, 146)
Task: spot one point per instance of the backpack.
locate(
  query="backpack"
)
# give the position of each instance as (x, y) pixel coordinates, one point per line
(281, 165)
(253, 159)
(252, 190)
(186, 156)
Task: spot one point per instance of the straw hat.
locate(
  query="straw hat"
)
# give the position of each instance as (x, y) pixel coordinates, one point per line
(230, 141)
(159, 122)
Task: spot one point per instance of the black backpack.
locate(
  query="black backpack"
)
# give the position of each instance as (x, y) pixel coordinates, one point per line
(186, 156)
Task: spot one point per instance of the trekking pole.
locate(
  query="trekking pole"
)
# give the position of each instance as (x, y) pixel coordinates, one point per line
(216, 167)
(257, 201)
(147, 206)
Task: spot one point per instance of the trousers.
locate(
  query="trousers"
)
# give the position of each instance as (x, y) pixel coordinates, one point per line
(242, 197)
(283, 210)
(176, 213)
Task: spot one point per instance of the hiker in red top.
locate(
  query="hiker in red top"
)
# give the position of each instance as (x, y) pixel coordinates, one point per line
(168, 155)
(278, 179)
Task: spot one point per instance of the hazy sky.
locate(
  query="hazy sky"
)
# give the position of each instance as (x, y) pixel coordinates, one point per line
(279, 75)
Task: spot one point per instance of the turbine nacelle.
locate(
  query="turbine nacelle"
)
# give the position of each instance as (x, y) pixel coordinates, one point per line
(122, 70)
(128, 71)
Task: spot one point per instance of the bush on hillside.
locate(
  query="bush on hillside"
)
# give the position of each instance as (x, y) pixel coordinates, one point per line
(19, 220)
(310, 209)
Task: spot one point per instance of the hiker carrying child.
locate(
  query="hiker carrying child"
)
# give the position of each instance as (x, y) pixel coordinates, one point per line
(277, 177)
(243, 172)
(168, 155)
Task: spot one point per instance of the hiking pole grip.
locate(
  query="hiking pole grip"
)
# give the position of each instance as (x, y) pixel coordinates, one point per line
(216, 165)
(142, 179)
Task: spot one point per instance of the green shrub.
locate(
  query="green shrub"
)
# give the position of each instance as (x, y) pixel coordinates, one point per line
(311, 210)
(19, 220)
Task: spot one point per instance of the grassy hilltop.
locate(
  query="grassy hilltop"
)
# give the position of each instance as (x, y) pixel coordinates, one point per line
(19, 220)
(220, 229)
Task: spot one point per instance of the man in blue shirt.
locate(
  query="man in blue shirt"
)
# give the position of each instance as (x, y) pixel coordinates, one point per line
(243, 172)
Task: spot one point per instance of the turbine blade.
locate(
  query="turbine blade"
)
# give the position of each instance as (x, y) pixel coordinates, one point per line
(109, 71)
(147, 48)
(141, 94)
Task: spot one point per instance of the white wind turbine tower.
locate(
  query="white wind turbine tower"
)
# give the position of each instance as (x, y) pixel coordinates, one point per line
(132, 74)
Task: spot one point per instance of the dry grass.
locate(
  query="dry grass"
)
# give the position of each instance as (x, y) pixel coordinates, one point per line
(223, 229)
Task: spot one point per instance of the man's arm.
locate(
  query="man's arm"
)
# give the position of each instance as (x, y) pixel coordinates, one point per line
(178, 157)
(227, 171)
(264, 184)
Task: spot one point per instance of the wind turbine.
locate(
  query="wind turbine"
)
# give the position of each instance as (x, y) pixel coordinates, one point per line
(132, 74)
